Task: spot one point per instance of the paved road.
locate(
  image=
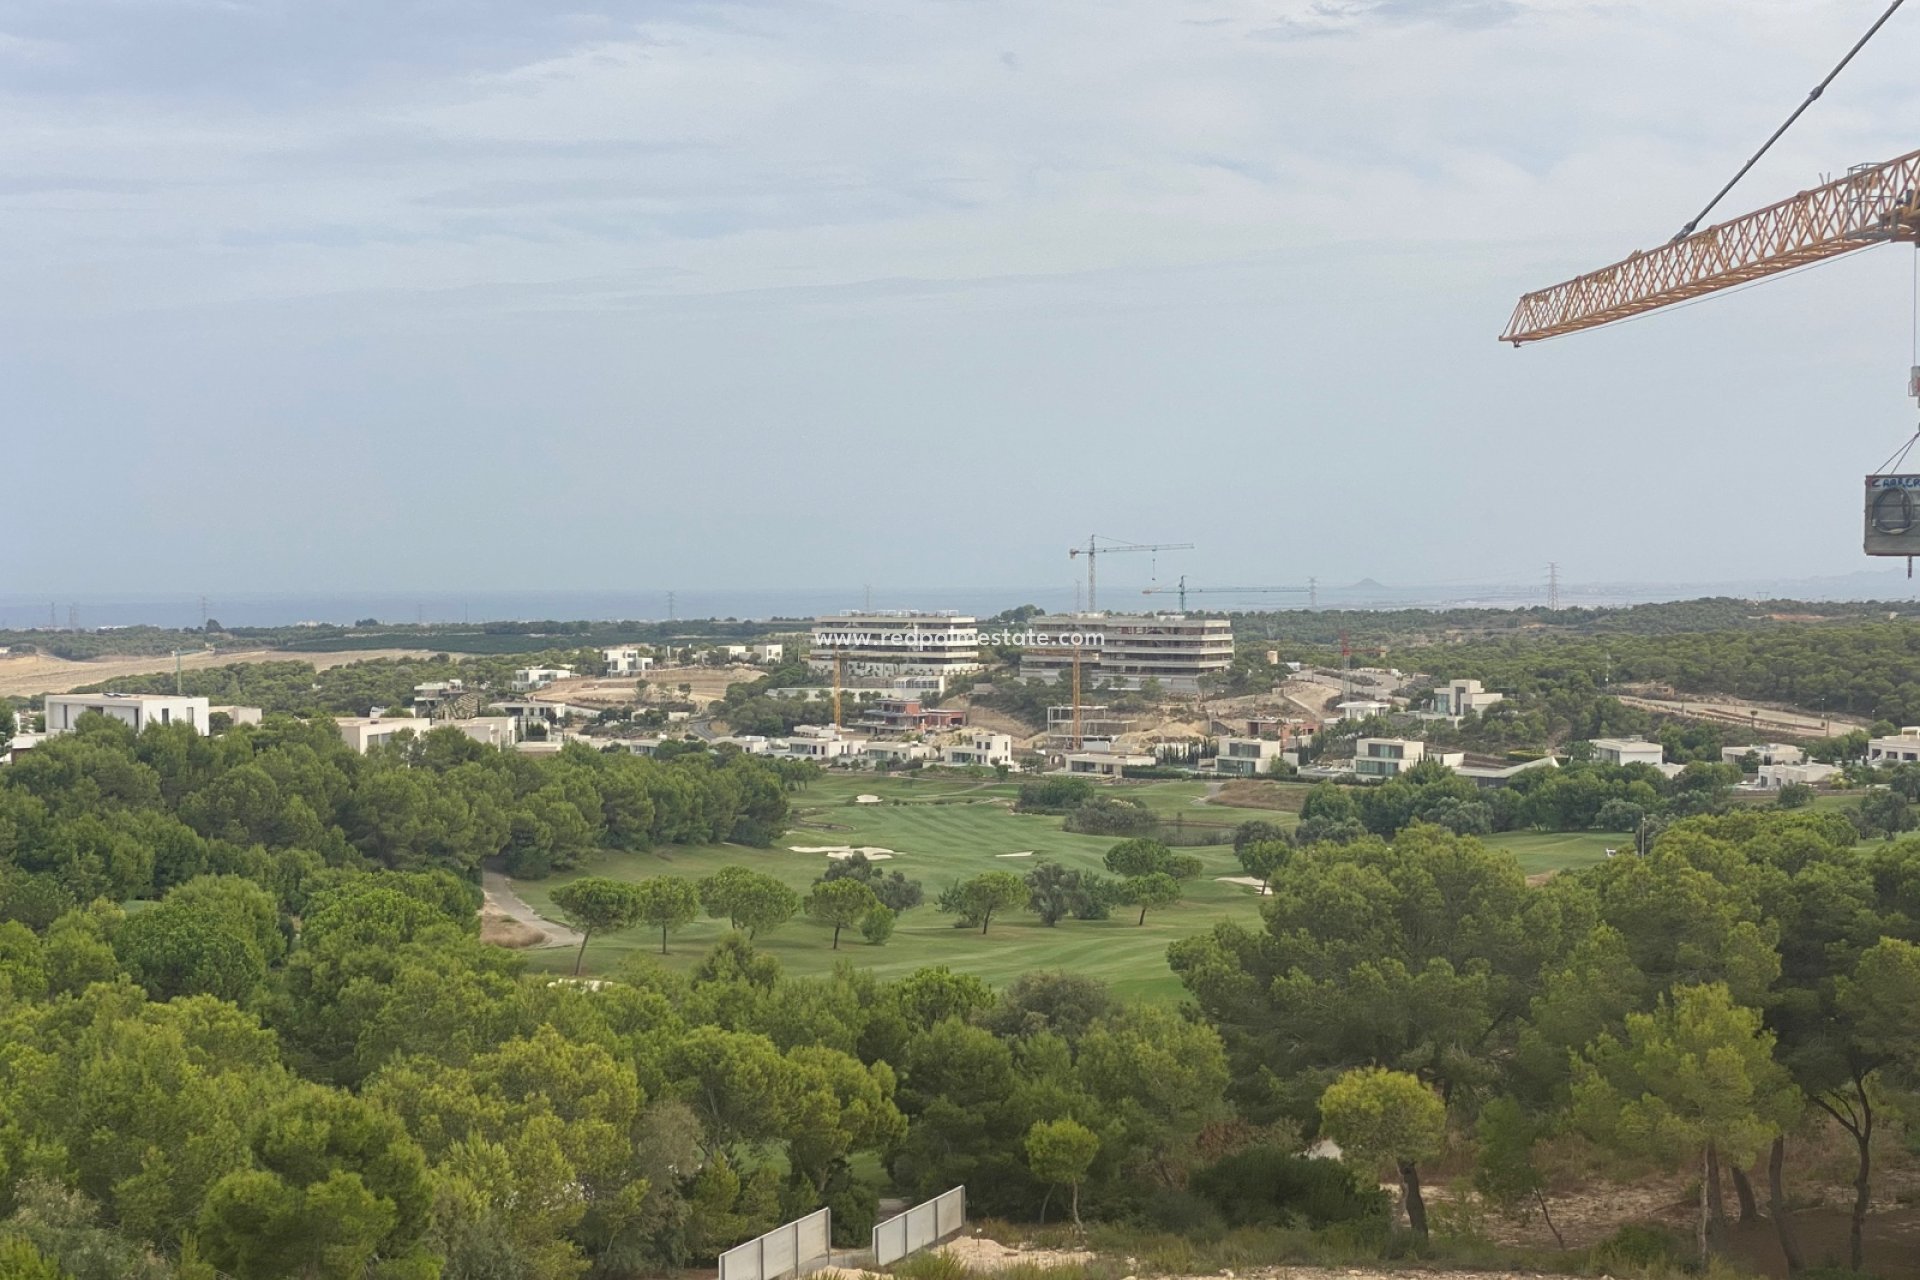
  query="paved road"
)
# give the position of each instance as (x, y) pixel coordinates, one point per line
(500, 894)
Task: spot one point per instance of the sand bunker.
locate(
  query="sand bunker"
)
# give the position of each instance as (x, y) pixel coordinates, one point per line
(873, 852)
(867, 800)
(1027, 854)
(1251, 882)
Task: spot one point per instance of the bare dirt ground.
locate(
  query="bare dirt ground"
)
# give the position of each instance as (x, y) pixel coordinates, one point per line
(23, 675)
(513, 922)
(1736, 711)
(992, 721)
(663, 684)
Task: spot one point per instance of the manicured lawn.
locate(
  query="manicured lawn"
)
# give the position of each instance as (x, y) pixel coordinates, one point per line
(944, 829)
(1538, 851)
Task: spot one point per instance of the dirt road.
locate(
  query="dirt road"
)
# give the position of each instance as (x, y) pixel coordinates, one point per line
(501, 898)
(23, 675)
(1733, 711)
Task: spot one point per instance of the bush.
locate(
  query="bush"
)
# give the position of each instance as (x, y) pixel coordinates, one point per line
(1265, 1186)
(1112, 816)
(1640, 1245)
(936, 1265)
(855, 1208)
(1052, 795)
(1185, 1213)
(1794, 795)
(877, 927)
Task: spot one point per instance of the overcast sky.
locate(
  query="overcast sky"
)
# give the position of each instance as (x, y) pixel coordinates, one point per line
(397, 294)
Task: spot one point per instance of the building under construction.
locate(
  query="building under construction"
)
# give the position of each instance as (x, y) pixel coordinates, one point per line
(1124, 651)
(1095, 724)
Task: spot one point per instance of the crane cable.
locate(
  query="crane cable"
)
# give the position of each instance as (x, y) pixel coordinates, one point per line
(1811, 98)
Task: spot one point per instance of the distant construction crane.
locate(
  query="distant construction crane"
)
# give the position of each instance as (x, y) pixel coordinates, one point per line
(1184, 591)
(1098, 546)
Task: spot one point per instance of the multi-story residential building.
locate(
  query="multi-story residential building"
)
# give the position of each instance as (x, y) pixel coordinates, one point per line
(1900, 748)
(1124, 651)
(135, 710)
(1246, 757)
(1106, 764)
(895, 752)
(363, 733)
(1391, 757)
(527, 679)
(978, 749)
(908, 715)
(819, 742)
(1812, 773)
(895, 644)
(1628, 751)
(769, 654)
(1765, 753)
(1098, 724)
(1459, 698)
(626, 660)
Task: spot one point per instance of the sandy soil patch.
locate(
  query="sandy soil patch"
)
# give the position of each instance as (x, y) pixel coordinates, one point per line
(502, 930)
(23, 675)
(983, 1254)
(1027, 854)
(867, 799)
(498, 897)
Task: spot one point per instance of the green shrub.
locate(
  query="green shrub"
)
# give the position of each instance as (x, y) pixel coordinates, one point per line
(1642, 1245)
(877, 925)
(935, 1265)
(1265, 1186)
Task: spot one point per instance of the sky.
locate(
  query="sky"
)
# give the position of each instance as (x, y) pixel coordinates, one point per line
(391, 295)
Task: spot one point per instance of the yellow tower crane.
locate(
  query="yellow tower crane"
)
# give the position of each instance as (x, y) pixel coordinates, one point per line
(1873, 204)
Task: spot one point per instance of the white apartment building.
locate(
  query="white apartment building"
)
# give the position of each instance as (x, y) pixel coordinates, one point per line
(1106, 764)
(1362, 709)
(1246, 757)
(818, 742)
(769, 654)
(1386, 757)
(626, 660)
(363, 733)
(893, 644)
(488, 731)
(1765, 753)
(1460, 698)
(1774, 776)
(978, 748)
(895, 752)
(1628, 751)
(527, 679)
(136, 710)
(1901, 748)
(237, 714)
(1124, 651)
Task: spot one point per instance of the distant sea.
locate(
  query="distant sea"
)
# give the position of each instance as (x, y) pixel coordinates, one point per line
(273, 609)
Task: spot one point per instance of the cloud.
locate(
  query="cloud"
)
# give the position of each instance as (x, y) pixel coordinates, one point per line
(850, 236)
